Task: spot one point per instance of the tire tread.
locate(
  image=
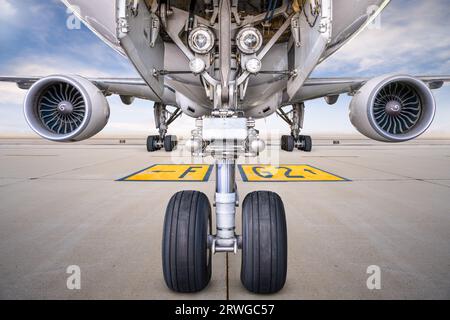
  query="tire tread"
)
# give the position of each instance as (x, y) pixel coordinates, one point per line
(184, 242)
(264, 248)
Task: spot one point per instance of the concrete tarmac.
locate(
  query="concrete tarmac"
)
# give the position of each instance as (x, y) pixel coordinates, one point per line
(61, 205)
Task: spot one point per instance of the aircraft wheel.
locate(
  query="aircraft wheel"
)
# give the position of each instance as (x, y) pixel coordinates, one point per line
(287, 143)
(185, 253)
(152, 143)
(307, 143)
(170, 143)
(264, 242)
(283, 142)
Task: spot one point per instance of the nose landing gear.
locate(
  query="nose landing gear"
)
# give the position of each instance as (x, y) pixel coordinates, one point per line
(188, 241)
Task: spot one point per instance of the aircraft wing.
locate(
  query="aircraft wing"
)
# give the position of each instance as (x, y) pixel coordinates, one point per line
(314, 88)
(133, 87)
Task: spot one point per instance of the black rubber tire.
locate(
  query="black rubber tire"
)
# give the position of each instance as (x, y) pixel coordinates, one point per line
(185, 254)
(287, 143)
(170, 142)
(290, 143)
(283, 142)
(307, 143)
(152, 143)
(264, 242)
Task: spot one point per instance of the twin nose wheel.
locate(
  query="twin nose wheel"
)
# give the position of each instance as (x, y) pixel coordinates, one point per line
(187, 257)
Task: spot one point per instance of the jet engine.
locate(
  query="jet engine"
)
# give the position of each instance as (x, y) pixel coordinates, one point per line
(66, 108)
(393, 108)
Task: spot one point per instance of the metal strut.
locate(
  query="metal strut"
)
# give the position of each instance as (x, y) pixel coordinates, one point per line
(298, 113)
(225, 133)
(294, 118)
(225, 201)
(160, 113)
(164, 117)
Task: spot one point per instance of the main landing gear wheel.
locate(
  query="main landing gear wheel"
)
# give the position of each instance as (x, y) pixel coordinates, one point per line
(155, 143)
(163, 118)
(287, 143)
(264, 243)
(305, 143)
(152, 143)
(170, 142)
(185, 254)
(294, 118)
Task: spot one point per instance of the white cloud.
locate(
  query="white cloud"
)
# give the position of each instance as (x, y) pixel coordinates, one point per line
(7, 10)
(43, 66)
(84, 59)
(47, 65)
(411, 37)
(11, 94)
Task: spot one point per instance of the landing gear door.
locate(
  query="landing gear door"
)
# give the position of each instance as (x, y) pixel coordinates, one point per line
(138, 32)
(311, 32)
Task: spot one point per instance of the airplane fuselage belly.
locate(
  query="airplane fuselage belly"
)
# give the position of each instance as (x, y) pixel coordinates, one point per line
(348, 17)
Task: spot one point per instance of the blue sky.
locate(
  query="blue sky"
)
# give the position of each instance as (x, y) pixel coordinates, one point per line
(413, 38)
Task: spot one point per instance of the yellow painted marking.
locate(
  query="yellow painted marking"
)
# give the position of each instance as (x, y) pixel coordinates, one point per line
(285, 173)
(172, 172)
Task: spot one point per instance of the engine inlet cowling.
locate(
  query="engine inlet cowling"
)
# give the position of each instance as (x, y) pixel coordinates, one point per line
(66, 108)
(393, 108)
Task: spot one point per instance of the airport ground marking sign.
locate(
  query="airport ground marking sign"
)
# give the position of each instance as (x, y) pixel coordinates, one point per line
(285, 173)
(173, 172)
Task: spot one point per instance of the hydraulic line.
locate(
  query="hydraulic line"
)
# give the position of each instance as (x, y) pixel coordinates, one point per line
(315, 13)
(271, 10)
(192, 6)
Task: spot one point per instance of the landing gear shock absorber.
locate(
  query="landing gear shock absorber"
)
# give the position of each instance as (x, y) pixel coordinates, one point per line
(225, 201)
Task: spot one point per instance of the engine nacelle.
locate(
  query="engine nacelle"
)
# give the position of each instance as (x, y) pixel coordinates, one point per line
(393, 108)
(66, 108)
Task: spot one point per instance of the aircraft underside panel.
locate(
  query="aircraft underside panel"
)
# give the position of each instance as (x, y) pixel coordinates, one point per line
(138, 33)
(310, 36)
(150, 39)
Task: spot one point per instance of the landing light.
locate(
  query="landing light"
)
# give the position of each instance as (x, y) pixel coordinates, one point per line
(201, 40)
(249, 40)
